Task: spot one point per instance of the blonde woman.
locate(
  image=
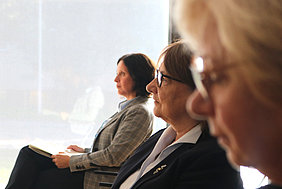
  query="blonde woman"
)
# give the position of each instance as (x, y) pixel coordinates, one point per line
(238, 73)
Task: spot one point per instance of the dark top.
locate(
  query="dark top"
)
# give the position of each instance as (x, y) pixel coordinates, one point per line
(194, 166)
(270, 186)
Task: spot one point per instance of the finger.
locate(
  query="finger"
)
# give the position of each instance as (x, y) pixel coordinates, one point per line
(72, 147)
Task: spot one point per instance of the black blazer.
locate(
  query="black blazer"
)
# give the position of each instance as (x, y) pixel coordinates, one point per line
(270, 186)
(193, 166)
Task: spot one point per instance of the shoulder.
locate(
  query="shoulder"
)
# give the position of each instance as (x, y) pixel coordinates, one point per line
(206, 149)
(152, 140)
(206, 142)
(208, 161)
(205, 155)
(139, 105)
(148, 145)
(270, 186)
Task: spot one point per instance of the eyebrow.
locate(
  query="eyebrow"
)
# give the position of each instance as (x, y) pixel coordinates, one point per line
(120, 72)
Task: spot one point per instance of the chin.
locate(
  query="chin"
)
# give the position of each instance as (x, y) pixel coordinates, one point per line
(157, 113)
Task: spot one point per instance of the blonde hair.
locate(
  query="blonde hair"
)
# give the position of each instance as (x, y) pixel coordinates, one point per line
(250, 32)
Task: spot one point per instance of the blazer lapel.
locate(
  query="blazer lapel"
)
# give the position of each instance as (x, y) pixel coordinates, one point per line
(114, 117)
(132, 167)
(164, 164)
(136, 160)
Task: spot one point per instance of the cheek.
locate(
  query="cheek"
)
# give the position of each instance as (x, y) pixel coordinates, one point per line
(231, 114)
(128, 84)
(161, 107)
(235, 120)
(173, 104)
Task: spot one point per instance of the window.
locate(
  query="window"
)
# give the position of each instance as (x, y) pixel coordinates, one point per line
(58, 62)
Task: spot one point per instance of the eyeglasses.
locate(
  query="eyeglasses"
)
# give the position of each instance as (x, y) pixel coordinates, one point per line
(204, 79)
(160, 76)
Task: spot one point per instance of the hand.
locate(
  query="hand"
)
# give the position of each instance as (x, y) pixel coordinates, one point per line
(61, 161)
(76, 148)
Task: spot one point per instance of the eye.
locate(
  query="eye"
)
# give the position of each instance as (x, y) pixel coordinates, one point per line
(164, 80)
(120, 74)
(214, 79)
(219, 78)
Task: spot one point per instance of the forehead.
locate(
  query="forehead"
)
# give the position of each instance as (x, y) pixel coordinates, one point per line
(210, 47)
(162, 67)
(121, 66)
(211, 57)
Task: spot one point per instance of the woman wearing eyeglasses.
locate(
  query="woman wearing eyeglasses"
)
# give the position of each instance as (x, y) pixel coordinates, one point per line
(117, 138)
(239, 77)
(183, 155)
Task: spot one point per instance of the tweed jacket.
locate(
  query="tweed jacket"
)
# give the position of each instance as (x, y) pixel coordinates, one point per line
(113, 144)
(191, 166)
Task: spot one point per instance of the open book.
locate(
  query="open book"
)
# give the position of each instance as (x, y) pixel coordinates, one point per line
(49, 153)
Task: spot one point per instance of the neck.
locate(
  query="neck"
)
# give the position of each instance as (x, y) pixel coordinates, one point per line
(130, 97)
(273, 170)
(182, 127)
(272, 165)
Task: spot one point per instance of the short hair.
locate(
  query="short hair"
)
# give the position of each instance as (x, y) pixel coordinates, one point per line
(141, 69)
(176, 59)
(249, 32)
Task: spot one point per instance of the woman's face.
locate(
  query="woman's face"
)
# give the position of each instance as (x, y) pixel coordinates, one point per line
(241, 123)
(125, 83)
(170, 98)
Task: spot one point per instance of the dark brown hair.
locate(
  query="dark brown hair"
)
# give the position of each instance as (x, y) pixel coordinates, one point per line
(176, 58)
(141, 69)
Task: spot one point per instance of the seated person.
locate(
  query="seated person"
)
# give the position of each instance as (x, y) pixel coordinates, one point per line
(240, 56)
(183, 155)
(117, 138)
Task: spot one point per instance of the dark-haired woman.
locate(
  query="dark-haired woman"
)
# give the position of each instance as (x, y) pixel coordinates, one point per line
(117, 138)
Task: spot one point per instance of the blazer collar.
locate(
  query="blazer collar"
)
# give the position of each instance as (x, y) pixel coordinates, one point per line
(113, 118)
(137, 100)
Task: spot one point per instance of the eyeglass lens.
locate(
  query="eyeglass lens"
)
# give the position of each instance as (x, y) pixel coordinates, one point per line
(159, 78)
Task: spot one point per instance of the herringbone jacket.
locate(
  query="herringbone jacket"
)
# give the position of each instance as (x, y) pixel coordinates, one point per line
(113, 144)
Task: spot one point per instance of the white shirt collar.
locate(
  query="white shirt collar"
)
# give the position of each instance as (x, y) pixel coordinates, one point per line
(191, 136)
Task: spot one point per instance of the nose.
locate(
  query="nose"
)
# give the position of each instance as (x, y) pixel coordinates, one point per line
(198, 107)
(116, 79)
(152, 86)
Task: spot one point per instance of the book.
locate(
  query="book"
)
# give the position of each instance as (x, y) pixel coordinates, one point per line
(48, 153)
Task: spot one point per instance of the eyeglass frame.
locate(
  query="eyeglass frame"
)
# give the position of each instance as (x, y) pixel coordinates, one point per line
(202, 77)
(160, 76)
